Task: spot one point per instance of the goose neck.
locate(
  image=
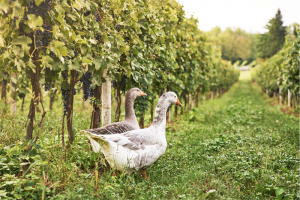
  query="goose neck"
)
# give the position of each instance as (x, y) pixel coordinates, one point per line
(159, 120)
(129, 111)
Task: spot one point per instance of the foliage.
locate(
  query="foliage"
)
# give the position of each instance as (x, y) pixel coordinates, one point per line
(148, 44)
(222, 73)
(293, 30)
(236, 45)
(235, 147)
(281, 70)
(271, 42)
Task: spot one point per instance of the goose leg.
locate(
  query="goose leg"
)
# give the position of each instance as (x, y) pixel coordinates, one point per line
(144, 175)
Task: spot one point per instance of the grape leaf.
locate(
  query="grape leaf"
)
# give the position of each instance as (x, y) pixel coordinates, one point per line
(20, 64)
(38, 2)
(22, 40)
(104, 37)
(47, 60)
(60, 48)
(97, 62)
(34, 21)
(18, 51)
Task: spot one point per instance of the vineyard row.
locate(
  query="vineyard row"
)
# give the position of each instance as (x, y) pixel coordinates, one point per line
(63, 46)
(279, 75)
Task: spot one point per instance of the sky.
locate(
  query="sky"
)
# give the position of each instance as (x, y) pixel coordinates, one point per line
(249, 15)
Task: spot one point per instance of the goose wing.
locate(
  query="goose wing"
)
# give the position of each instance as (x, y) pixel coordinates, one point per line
(114, 128)
(133, 140)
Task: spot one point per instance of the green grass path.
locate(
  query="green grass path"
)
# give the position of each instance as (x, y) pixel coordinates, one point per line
(235, 147)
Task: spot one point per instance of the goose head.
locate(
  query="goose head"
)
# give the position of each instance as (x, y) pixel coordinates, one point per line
(162, 106)
(136, 92)
(170, 98)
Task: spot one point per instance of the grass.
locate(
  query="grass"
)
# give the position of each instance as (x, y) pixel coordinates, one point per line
(236, 147)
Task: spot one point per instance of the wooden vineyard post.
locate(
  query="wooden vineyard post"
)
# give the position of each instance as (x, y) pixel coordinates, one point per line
(13, 105)
(106, 100)
(211, 94)
(289, 98)
(280, 96)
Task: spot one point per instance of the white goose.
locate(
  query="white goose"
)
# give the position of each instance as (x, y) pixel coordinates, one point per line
(136, 149)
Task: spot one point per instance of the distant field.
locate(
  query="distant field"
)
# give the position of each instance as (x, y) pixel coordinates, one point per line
(245, 75)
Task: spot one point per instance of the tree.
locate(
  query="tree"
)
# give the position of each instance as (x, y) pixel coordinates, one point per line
(236, 45)
(271, 42)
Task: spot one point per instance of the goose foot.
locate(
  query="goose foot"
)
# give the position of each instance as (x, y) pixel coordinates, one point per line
(144, 175)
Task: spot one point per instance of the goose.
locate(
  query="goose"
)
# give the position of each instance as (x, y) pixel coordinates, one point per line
(136, 149)
(130, 122)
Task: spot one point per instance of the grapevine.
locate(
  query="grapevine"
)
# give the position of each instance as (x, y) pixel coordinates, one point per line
(151, 46)
(281, 71)
(48, 78)
(65, 92)
(87, 91)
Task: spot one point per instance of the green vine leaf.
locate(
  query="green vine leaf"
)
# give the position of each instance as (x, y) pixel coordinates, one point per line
(23, 41)
(18, 51)
(60, 48)
(38, 2)
(47, 61)
(97, 62)
(20, 64)
(34, 21)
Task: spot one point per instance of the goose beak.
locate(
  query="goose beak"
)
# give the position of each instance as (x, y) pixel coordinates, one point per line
(178, 103)
(143, 94)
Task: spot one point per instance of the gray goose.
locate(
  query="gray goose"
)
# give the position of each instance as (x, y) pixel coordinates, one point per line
(136, 149)
(130, 121)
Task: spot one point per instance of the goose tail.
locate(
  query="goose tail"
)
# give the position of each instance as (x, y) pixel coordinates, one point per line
(96, 140)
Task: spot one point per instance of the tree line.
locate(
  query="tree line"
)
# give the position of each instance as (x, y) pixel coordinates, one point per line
(238, 46)
(242, 48)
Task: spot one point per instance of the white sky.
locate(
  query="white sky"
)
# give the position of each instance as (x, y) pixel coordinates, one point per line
(249, 15)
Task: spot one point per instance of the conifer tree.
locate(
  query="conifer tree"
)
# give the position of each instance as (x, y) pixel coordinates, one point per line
(271, 42)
